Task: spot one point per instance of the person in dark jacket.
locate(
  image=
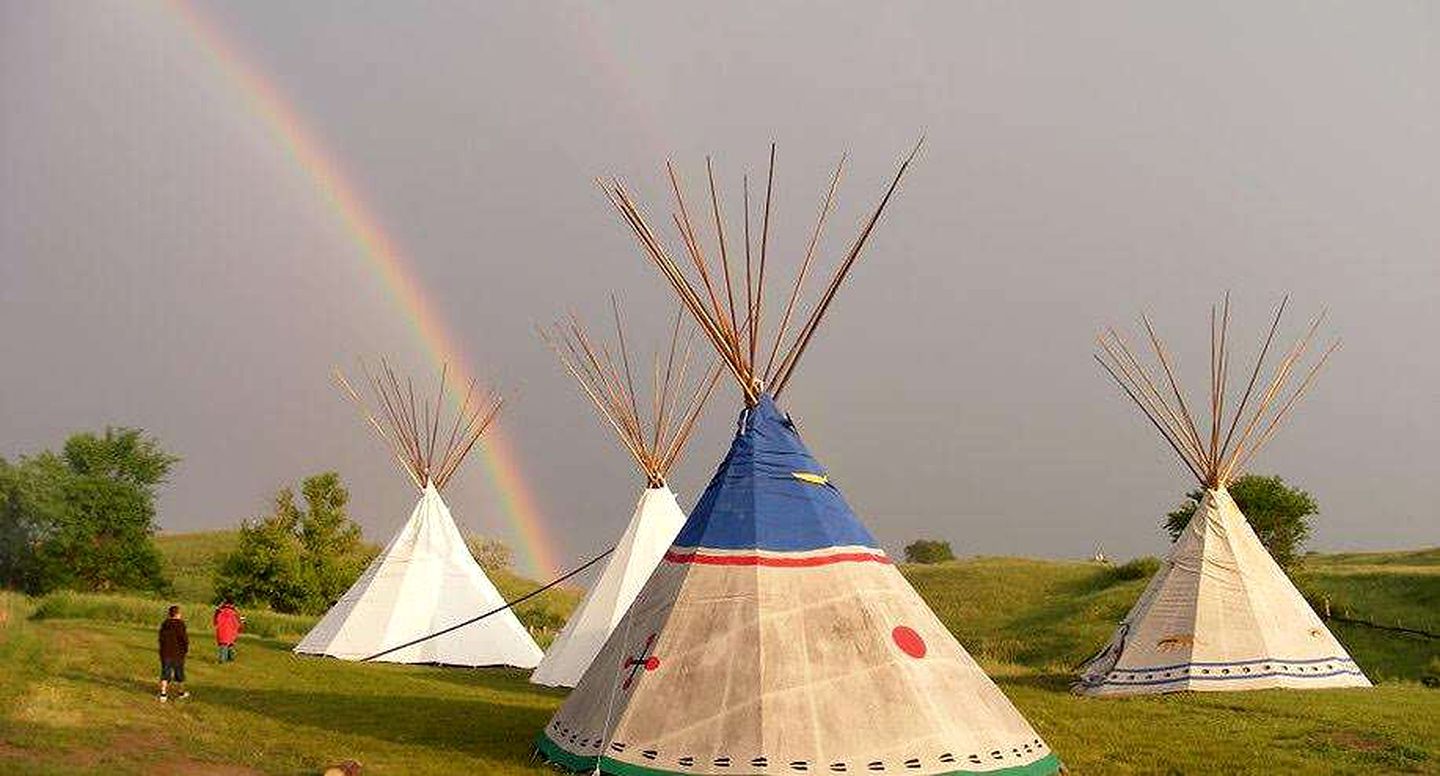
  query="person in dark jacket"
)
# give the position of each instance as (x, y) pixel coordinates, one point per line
(174, 645)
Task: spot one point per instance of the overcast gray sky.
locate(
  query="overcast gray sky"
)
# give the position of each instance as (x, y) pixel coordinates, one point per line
(165, 263)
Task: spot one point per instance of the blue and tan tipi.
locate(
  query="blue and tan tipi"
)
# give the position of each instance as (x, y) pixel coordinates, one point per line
(776, 636)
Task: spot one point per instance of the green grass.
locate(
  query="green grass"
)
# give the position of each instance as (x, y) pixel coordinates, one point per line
(76, 677)
(1392, 588)
(1428, 559)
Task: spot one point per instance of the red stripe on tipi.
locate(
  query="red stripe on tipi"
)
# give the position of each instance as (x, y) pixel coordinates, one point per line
(772, 560)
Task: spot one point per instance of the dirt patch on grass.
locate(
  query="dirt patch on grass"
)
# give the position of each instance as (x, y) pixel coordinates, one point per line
(46, 704)
(1356, 740)
(1373, 748)
(133, 741)
(184, 766)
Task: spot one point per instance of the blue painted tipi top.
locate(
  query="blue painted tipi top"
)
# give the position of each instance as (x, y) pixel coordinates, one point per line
(771, 494)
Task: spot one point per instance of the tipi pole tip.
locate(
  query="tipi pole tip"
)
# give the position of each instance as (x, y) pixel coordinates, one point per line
(1222, 452)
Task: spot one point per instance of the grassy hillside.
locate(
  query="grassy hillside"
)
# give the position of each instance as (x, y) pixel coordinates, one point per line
(1057, 612)
(1051, 615)
(76, 673)
(1390, 588)
(191, 559)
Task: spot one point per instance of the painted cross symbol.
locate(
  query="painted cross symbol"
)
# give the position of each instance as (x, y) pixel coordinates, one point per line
(646, 661)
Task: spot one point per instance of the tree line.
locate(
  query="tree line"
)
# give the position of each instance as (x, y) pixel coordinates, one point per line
(83, 519)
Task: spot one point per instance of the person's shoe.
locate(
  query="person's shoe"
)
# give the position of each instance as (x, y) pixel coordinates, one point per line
(163, 698)
(184, 695)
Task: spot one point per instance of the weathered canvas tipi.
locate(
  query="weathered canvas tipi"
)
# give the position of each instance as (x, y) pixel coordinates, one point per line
(655, 438)
(425, 580)
(1220, 614)
(776, 636)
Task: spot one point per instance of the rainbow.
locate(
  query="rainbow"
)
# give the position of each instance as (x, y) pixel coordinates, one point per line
(535, 551)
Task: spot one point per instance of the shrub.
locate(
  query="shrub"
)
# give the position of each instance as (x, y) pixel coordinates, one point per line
(139, 610)
(1138, 568)
(492, 554)
(928, 551)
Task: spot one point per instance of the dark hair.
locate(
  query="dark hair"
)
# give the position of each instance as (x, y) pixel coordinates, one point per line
(174, 610)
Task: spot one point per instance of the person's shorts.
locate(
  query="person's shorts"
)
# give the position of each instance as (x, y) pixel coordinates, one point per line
(172, 672)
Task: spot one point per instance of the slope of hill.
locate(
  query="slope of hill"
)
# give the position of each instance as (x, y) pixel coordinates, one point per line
(1388, 589)
(75, 684)
(191, 559)
(1045, 614)
(1051, 615)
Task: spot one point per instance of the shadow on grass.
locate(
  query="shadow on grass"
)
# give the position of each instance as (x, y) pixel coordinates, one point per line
(1049, 682)
(495, 678)
(482, 728)
(129, 684)
(486, 729)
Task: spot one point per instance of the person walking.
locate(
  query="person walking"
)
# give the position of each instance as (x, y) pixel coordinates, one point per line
(227, 628)
(174, 645)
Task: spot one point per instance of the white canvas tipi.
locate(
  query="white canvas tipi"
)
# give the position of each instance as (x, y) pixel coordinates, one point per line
(425, 580)
(655, 440)
(776, 636)
(1220, 614)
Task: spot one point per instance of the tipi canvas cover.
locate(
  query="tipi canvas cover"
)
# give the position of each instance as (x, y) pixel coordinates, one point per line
(655, 440)
(653, 527)
(424, 581)
(776, 636)
(1220, 614)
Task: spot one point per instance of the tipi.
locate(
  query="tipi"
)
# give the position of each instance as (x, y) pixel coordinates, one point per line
(1220, 614)
(425, 580)
(655, 438)
(776, 636)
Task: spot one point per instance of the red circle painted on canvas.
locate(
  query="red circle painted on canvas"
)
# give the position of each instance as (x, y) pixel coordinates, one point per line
(908, 641)
(652, 663)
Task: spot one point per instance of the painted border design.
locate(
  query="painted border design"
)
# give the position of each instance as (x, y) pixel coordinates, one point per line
(1045, 766)
(1234, 663)
(1200, 671)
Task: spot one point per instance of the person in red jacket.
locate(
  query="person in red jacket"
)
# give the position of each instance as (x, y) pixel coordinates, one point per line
(227, 628)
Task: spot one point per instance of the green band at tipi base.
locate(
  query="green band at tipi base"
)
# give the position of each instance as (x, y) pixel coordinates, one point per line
(1045, 766)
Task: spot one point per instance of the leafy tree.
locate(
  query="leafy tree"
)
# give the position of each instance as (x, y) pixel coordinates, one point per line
(492, 554)
(928, 551)
(297, 560)
(84, 519)
(331, 549)
(22, 513)
(265, 567)
(124, 455)
(1279, 514)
